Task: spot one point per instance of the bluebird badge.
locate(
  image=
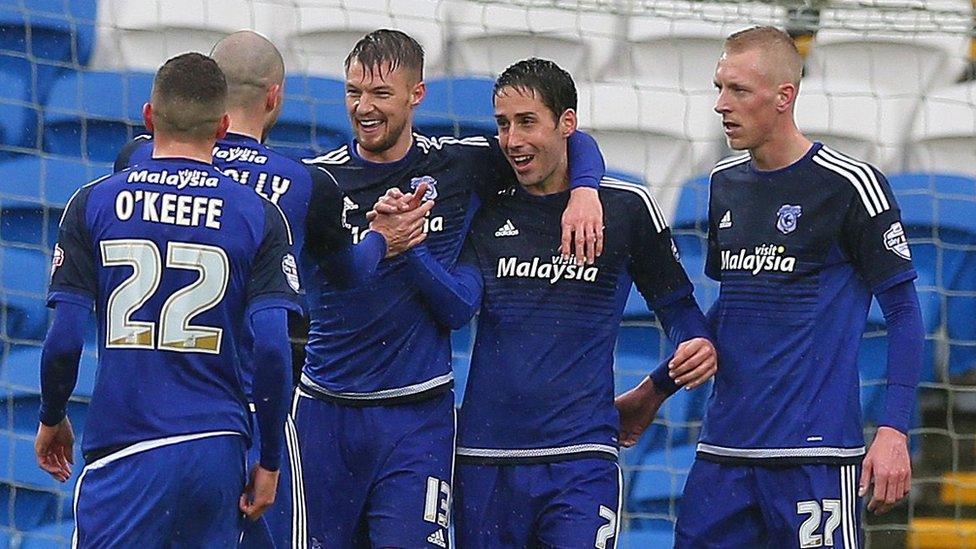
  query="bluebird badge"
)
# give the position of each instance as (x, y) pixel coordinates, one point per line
(431, 193)
(786, 218)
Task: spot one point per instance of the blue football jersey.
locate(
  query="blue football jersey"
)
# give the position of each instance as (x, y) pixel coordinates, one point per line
(280, 179)
(173, 256)
(541, 381)
(379, 341)
(798, 252)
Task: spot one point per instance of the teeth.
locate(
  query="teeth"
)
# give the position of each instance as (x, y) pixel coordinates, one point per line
(369, 123)
(521, 158)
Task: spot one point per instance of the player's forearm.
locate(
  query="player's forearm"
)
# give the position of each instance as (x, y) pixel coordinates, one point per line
(586, 165)
(59, 361)
(272, 381)
(354, 265)
(690, 323)
(906, 339)
(454, 296)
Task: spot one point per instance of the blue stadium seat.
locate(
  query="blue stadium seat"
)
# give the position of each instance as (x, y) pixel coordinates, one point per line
(40, 38)
(659, 481)
(49, 30)
(24, 508)
(45, 180)
(19, 106)
(313, 118)
(93, 114)
(51, 536)
(37, 498)
(457, 106)
(20, 373)
(21, 224)
(23, 279)
(658, 536)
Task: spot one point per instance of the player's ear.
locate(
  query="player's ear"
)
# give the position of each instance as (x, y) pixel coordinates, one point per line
(224, 125)
(275, 97)
(147, 116)
(786, 96)
(568, 122)
(418, 93)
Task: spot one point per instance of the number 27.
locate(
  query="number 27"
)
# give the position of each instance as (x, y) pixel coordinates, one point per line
(808, 537)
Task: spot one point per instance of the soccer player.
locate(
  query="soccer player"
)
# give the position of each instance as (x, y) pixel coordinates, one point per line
(255, 73)
(800, 237)
(537, 433)
(373, 437)
(176, 259)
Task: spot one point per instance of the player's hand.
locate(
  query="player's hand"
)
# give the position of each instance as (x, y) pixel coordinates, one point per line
(259, 493)
(582, 226)
(637, 408)
(695, 362)
(54, 447)
(404, 230)
(394, 201)
(889, 468)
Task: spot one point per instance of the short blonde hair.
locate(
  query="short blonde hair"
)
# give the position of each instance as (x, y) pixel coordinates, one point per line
(782, 61)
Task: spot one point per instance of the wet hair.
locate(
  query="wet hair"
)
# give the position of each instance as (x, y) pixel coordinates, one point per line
(553, 85)
(189, 96)
(388, 47)
(778, 49)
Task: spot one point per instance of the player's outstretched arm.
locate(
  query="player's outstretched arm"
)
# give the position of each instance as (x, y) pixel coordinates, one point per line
(272, 382)
(887, 464)
(54, 444)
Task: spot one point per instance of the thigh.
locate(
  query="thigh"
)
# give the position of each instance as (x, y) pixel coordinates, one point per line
(812, 506)
(494, 506)
(582, 504)
(719, 508)
(330, 474)
(410, 499)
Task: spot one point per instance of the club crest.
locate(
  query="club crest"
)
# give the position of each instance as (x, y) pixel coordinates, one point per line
(431, 193)
(786, 218)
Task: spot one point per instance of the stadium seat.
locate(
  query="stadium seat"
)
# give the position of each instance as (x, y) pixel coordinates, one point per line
(457, 106)
(20, 373)
(943, 134)
(324, 33)
(488, 37)
(92, 115)
(313, 117)
(660, 478)
(24, 223)
(679, 43)
(892, 51)
(51, 536)
(45, 181)
(142, 35)
(646, 538)
(50, 30)
(19, 112)
(38, 498)
(24, 274)
(664, 135)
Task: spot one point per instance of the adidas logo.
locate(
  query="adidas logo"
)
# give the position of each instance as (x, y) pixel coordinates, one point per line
(726, 220)
(508, 229)
(437, 538)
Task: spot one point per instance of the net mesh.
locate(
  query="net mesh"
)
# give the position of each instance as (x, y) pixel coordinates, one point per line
(887, 81)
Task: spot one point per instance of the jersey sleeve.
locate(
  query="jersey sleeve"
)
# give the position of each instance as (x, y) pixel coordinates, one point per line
(74, 277)
(874, 237)
(274, 273)
(326, 230)
(654, 264)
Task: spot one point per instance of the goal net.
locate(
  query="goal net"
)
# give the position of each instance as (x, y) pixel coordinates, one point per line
(887, 81)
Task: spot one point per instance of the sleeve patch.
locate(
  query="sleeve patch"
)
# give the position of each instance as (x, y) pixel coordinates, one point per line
(896, 242)
(290, 268)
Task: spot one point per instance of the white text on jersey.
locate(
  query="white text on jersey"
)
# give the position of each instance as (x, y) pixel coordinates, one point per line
(767, 257)
(558, 269)
(172, 209)
(181, 179)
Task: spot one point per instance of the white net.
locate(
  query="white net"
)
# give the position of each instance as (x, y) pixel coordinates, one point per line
(885, 81)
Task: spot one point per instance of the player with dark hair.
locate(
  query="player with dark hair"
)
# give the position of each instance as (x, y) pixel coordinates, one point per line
(537, 433)
(177, 260)
(800, 237)
(255, 72)
(373, 416)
